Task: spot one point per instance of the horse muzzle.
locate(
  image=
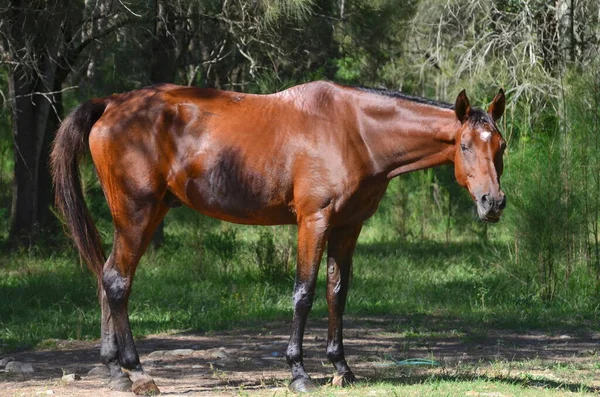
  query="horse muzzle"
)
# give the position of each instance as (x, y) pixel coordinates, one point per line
(489, 208)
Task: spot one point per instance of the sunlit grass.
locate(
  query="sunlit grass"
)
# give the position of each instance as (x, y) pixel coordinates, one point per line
(442, 386)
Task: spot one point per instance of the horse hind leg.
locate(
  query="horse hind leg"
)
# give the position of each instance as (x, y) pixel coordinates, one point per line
(135, 222)
(109, 350)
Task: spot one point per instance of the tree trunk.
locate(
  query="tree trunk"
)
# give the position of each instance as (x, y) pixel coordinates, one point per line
(47, 221)
(565, 14)
(24, 204)
(164, 45)
(28, 80)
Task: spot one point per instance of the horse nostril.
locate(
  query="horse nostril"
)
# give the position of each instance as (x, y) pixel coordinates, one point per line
(502, 203)
(485, 201)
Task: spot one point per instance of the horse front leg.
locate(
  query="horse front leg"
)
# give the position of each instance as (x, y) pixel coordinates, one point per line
(311, 241)
(340, 249)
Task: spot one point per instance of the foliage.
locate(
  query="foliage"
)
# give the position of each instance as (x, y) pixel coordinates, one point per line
(223, 245)
(276, 9)
(273, 257)
(582, 130)
(542, 200)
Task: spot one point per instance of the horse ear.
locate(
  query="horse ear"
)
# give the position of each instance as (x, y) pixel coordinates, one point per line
(462, 106)
(496, 109)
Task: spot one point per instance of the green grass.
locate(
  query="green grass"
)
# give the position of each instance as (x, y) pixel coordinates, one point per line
(500, 379)
(436, 387)
(432, 286)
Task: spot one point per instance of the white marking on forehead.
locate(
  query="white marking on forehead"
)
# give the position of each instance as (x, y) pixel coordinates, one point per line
(485, 136)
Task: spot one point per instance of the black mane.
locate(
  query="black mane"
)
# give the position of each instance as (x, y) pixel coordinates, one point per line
(402, 95)
(476, 115)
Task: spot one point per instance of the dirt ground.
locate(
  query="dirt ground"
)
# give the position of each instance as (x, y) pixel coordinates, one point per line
(225, 363)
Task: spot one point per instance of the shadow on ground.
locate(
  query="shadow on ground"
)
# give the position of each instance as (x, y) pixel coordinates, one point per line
(184, 362)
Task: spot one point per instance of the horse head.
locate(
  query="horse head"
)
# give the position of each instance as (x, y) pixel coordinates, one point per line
(478, 155)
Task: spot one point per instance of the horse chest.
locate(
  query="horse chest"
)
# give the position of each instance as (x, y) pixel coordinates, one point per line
(360, 204)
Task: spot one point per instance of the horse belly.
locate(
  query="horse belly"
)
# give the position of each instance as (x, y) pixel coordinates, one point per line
(239, 195)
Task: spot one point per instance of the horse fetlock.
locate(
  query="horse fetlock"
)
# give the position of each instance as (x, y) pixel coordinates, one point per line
(129, 360)
(341, 366)
(293, 355)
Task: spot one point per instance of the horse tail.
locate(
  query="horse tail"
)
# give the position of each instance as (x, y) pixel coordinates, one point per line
(70, 144)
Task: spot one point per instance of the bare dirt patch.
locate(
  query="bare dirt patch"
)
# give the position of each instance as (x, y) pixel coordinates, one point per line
(224, 363)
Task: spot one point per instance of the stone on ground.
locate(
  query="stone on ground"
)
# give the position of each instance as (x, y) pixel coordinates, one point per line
(71, 377)
(219, 353)
(157, 354)
(19, 367)
(5, 361)
(180, 352)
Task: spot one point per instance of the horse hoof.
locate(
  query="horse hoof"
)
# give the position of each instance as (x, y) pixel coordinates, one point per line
(145, 387)
(343, 380)
(120, 383)
(303, 385)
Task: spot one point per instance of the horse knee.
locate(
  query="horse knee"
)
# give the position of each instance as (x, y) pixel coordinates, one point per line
(303, 298)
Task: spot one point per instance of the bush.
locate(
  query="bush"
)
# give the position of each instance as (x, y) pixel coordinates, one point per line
(273, 259)
(224, 245)
(544, 214)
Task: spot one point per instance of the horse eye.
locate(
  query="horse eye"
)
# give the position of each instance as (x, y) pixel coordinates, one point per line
(463, 147)
(503, 147)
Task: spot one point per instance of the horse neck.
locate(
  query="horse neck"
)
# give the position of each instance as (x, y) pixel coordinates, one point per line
(404, 136)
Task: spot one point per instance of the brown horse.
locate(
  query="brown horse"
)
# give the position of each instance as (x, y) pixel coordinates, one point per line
(319, 155)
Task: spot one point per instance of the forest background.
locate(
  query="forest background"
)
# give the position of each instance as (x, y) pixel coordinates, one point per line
(539, 266)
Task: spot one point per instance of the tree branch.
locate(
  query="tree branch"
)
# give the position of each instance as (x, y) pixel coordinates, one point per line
(116, 26)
